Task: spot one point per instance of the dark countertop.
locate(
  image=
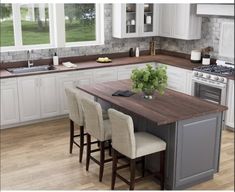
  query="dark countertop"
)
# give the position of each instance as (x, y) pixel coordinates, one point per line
(160, 58)
(162, 109)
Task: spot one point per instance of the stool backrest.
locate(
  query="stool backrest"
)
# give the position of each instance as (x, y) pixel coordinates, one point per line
(75, 106)
(123, 138)
(93, 118)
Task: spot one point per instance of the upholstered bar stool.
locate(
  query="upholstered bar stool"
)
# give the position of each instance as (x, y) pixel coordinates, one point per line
(76, 117)
(98, 128)
(133, 146)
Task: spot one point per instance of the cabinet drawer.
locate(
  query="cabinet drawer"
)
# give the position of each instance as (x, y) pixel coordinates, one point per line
(105, 74)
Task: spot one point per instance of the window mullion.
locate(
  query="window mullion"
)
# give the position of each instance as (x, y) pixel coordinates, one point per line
(59, 25)
(17, 24)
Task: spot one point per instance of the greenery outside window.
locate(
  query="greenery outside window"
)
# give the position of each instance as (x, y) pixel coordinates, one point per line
(6, 26)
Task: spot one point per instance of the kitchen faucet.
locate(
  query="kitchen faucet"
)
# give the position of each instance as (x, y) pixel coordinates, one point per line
(30, 62)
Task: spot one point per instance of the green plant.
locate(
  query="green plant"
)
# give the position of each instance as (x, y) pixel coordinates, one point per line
(149, 79)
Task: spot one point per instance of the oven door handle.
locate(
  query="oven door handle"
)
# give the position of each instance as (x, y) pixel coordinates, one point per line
(220, 85)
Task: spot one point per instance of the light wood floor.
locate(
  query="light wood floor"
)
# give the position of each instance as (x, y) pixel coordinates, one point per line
(36, 157)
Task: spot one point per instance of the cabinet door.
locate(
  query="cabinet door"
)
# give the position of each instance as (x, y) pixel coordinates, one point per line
(181, 21)
(9, 102)
(148, 19)
(230, 103)
(29, 98)
(166, 20)
(176, 79)
(130, 13)
(66, 80)
(105, 74)
(49, 96)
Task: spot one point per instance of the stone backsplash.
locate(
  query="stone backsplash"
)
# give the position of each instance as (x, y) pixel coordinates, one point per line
(210, 37)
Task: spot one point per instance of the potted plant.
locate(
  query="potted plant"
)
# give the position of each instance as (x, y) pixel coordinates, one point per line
(149, 79)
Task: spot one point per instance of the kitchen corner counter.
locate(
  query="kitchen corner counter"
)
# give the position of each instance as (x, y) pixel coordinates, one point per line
(160, 58)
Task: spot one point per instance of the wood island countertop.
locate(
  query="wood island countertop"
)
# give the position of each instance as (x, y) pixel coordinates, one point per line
(162, 109)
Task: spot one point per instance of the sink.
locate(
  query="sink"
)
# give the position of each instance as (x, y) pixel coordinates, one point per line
(30, 69)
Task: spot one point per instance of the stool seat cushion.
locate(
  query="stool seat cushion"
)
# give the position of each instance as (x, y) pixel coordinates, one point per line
(147, 144)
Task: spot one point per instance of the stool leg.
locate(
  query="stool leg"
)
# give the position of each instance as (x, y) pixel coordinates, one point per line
(132, 175)
(110, 148)
(162, 169)
(81, 143)
(71, 136)
(143, 166)
(114, 168)
(88, 151)
(102, 151)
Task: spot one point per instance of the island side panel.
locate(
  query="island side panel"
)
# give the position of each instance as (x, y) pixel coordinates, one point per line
(198, 150)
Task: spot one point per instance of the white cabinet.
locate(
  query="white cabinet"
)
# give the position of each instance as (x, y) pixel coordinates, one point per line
(229, 120)
(179, 21)
(49, 96)
(124, 72)
(134, 20)
(9, 101)
(71, 79)
(105, 74)
(29, 97)
(38, 97)
(179, 79)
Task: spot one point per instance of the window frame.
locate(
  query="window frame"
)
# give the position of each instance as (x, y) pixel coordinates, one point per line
(56, 29)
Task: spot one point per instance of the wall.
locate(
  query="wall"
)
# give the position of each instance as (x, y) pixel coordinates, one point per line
(210, 36)
(111, 45)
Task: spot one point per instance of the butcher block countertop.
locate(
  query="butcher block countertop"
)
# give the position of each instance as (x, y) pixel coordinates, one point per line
(162, 109)
(92, 64)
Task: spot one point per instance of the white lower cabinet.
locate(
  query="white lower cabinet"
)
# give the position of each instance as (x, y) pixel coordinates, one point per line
(49, 96)
(71, 79)
(9, 102)
(229, 120)
(38, 97)
(105, 74)
(29, 97)
(179, 79)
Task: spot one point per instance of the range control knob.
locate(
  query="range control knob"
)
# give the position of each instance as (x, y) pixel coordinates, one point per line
(200, 74)
(196, 74)
(208, 76)
(216, 78)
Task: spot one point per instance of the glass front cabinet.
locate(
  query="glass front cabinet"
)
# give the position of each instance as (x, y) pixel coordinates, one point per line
(134, 20)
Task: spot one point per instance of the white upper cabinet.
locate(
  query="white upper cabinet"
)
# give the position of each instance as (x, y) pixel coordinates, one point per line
(9, 101)
(179, 21)
(134, 20)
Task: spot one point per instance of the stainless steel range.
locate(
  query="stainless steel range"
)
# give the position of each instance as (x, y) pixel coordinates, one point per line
(210, 82)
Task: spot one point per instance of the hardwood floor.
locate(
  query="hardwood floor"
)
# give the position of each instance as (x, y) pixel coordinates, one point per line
(37, 157)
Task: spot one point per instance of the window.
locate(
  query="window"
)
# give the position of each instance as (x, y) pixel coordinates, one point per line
(80, 22)
(41, 25)
(6, 26)
(35, 24)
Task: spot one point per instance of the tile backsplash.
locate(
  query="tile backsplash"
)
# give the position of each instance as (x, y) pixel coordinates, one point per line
(210, 37)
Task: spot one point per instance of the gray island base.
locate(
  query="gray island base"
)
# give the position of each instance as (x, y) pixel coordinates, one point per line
(193, 149)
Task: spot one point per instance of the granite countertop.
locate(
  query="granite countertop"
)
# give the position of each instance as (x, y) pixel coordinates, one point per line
(162, 109)
(160, 58)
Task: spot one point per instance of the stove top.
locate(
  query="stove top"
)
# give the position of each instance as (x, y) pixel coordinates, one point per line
(216, 70)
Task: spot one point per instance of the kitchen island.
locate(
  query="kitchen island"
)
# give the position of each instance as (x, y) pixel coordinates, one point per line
(191, 128)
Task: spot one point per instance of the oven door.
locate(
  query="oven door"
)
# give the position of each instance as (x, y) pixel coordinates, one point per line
(212, 92)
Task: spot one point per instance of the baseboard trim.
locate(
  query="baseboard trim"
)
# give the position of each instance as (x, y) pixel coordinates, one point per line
(32, 122)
